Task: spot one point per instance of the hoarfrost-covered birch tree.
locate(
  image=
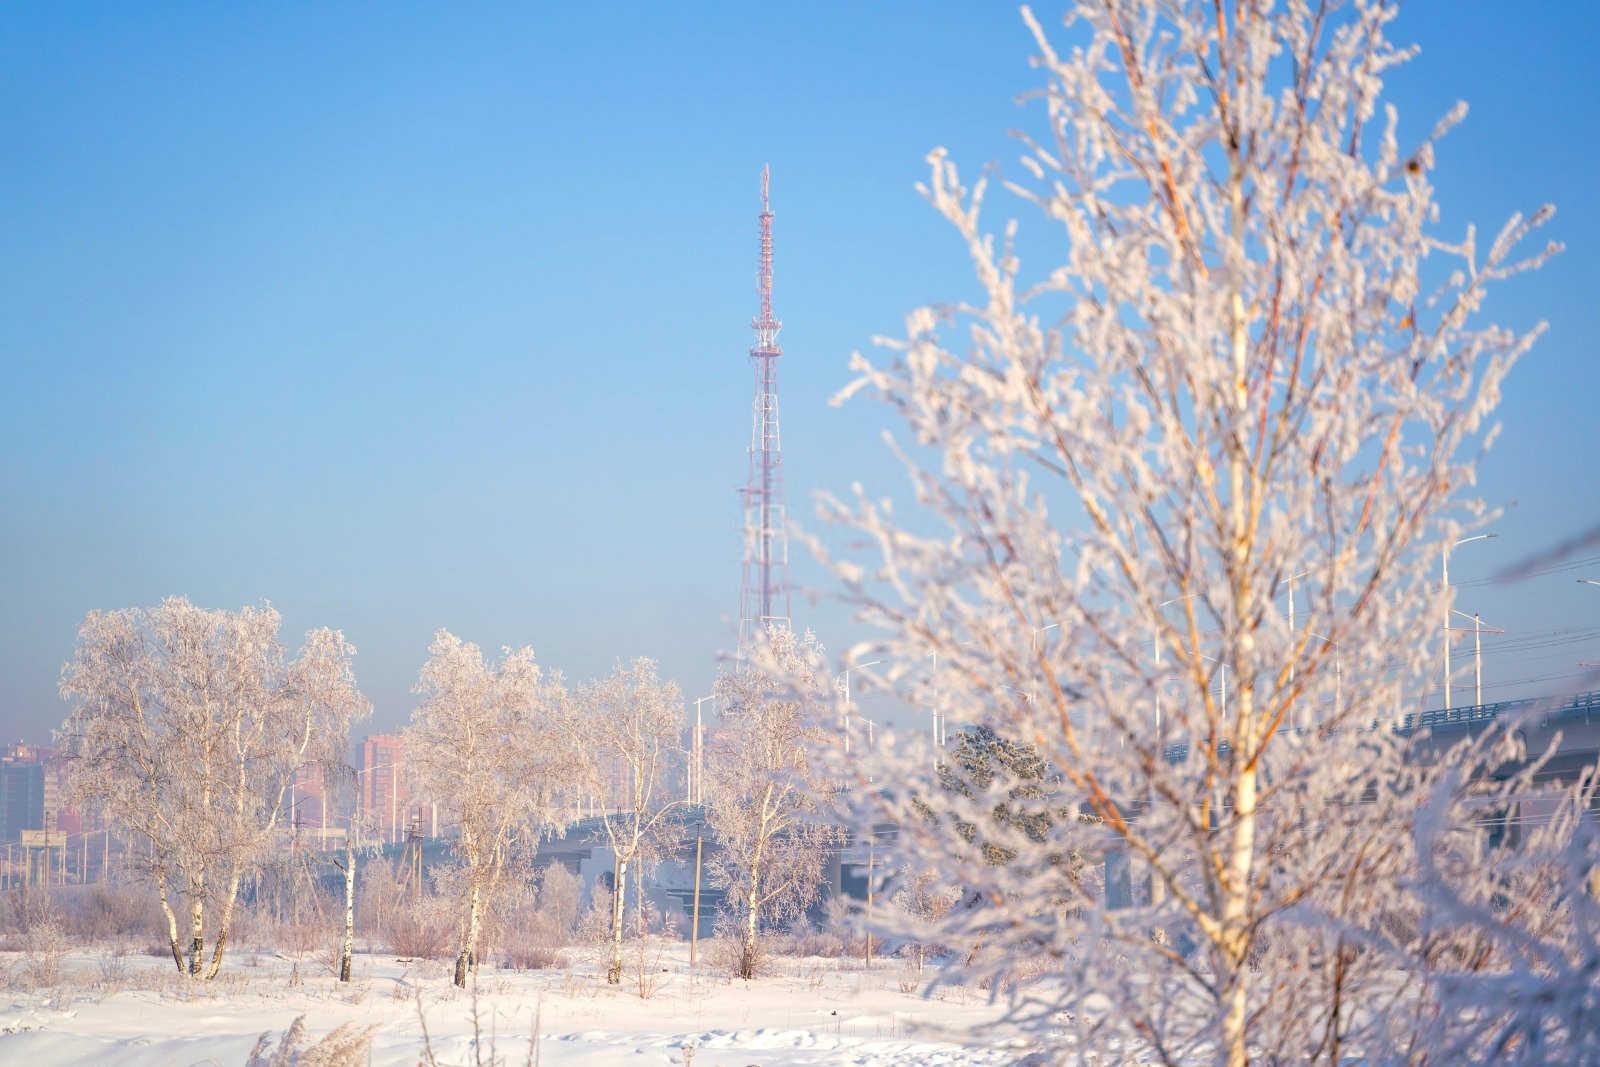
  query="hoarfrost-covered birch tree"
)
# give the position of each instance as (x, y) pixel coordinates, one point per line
(363, 838)
(322, 684)
(1253, 369)
(765, 791)
(489, 744)
(626, 733)
(187, 729)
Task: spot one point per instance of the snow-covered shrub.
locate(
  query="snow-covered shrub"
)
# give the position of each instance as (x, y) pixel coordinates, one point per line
(646, 975)
(559, 894)
(733, 950)
(418, 927)
(113, 966)
(531, 940)
(594, 927)
(803, 938)
(925, 897)
(104, 912)
(43, 945)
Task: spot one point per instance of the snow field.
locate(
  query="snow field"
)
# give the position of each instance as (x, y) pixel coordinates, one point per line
(811, 1011)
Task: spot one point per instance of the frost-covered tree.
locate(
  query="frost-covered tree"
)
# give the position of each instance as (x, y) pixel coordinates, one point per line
(1252, 367)
(764, 789)
(626, 734)
(489, 743)
(187, 729)
(924, 897)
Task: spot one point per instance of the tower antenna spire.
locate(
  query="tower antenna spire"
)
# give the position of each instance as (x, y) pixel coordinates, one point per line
(764, 586)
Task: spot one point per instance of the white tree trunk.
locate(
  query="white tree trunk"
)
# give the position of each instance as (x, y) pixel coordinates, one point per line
(469, 945)
(349, 946)
(752, 926)
(225, 924)
(1236, 904)
(172, 919)
(752, 919)
(197, 926)
(1236, 921)
(620, 888)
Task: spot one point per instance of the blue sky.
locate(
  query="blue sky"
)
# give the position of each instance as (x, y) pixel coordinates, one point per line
(411, 317)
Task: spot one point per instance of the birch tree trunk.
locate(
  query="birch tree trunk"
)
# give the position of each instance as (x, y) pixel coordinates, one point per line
(752, 919)
(469, 946)
(1236, 910)
(752, 924)
(197, 925)
(225, 924)
(620, 885)
(349, 946)
(172, 919)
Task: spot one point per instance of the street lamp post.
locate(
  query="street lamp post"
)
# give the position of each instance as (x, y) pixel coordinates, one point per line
(1155, 641)
(1224, 667)
(1444, 582)
(393, 789)
(1292, 579)
(1033, 650)
(1338, 674)
(699, 760)
(1477, 653)
(847, 701)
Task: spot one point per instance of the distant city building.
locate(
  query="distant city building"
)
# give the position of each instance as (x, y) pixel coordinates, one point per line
(21, 794)
(32, 783)
(384, 797)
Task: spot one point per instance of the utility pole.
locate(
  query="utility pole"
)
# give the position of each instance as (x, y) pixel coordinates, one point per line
(694, 921)
(872, 841)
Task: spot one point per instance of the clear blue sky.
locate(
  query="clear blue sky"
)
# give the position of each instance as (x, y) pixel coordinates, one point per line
(415, 317)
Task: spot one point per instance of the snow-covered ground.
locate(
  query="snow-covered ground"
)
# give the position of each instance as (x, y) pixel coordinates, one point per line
(810, 1011)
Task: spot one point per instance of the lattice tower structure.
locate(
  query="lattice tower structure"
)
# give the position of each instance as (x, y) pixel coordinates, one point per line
(764, 587)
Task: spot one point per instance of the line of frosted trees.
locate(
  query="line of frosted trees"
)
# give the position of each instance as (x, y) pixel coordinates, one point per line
(189, 726)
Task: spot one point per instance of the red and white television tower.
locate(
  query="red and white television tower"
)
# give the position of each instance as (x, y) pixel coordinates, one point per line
(764, 588)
